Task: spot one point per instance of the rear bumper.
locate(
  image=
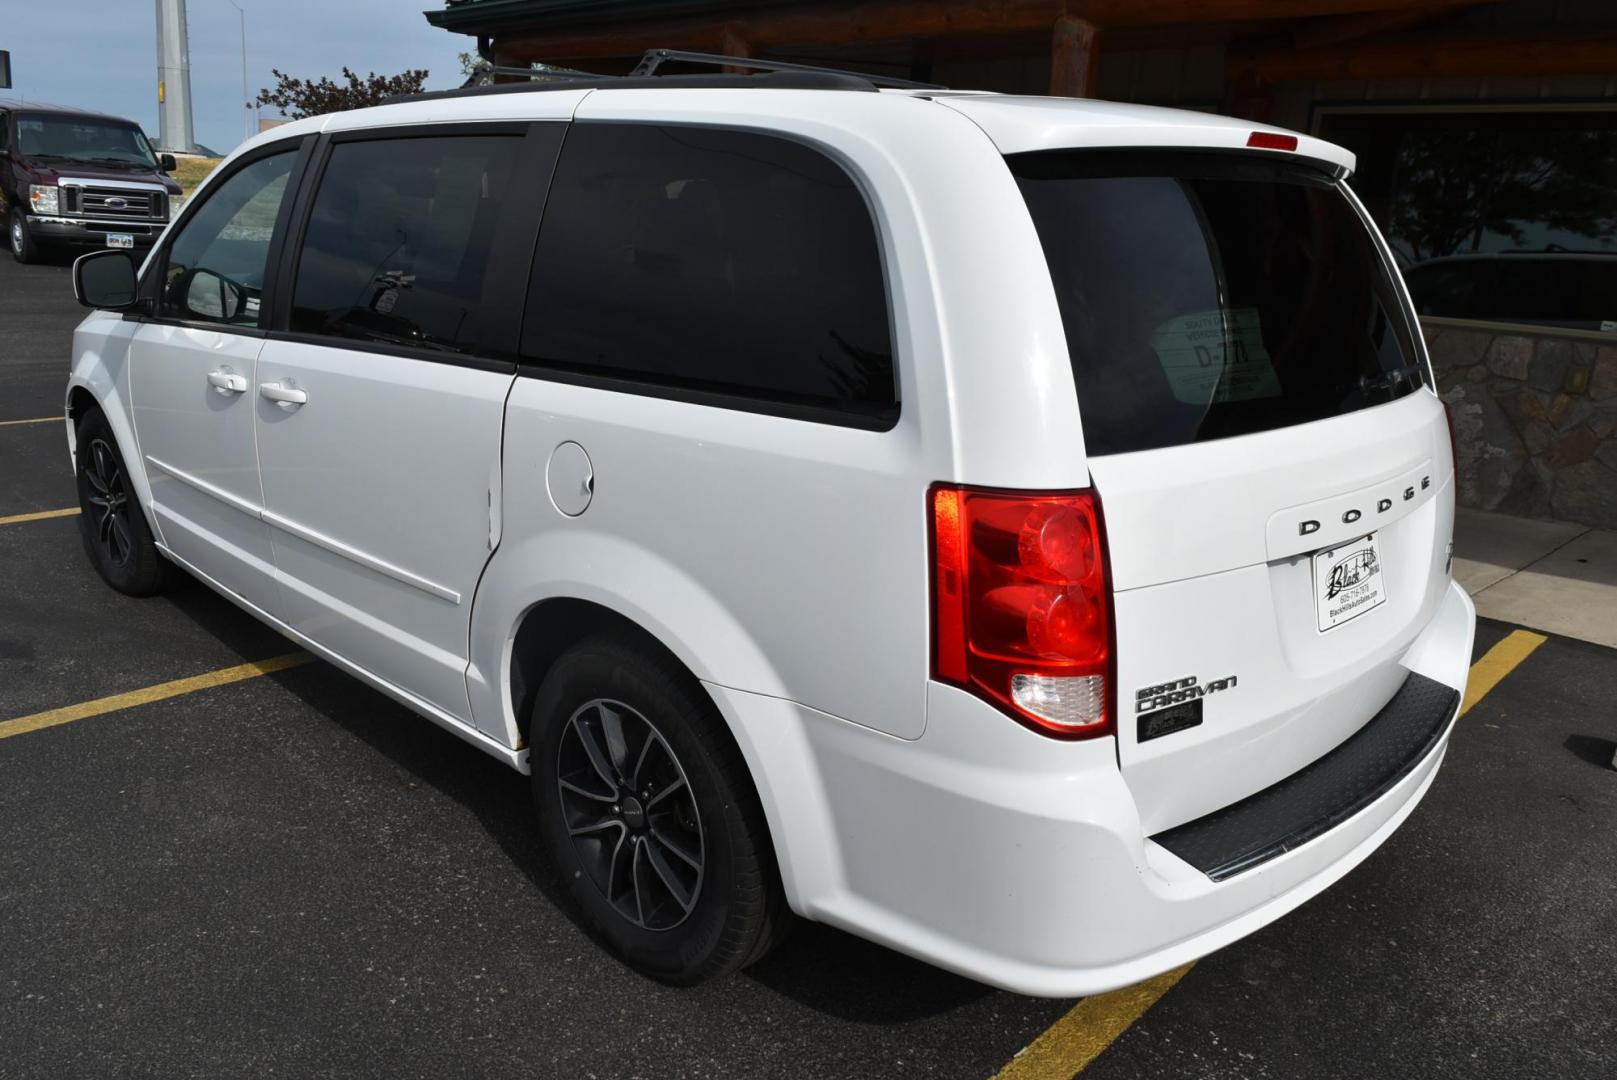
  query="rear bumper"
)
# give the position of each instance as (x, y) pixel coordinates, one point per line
(85, 232)
(999, 854)
(1316, 799)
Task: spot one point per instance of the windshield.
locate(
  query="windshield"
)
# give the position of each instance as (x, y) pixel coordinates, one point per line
(1206, 295)
(86, 139)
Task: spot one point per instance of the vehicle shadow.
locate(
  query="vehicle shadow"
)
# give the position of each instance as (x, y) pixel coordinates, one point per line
(817, 966)
(232, 627)
(1592, 749)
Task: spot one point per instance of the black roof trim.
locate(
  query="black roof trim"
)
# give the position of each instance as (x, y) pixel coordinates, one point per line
(654, 58)
(774, 80)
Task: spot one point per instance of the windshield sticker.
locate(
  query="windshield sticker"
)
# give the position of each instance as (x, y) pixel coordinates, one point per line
(1213, 356)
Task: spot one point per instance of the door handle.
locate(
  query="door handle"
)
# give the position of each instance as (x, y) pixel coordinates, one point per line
(286, 397)
(227, 382)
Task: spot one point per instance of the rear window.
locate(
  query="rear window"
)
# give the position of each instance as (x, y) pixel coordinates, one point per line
(1205, 296)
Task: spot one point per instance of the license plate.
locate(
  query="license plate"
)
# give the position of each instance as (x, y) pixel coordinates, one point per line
(120, 240)
(1348, 581)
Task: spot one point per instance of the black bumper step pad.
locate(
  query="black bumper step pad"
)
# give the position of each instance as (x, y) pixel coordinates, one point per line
(1322, 795)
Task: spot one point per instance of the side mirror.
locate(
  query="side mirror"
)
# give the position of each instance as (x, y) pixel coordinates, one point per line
(212, 297)
(105, 280)
(167, 163)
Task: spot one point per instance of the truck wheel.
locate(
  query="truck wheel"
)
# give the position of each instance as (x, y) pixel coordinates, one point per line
(111, 523)
(649, 815)
(23, 247)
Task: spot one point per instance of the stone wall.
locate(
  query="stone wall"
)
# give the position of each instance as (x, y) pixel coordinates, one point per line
(1535, 419)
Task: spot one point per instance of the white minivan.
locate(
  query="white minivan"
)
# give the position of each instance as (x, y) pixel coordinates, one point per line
(1015, 530)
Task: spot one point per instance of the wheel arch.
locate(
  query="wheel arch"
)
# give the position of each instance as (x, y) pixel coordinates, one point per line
(79, 402)
(550, 627)
(547, 629)
(100, 392)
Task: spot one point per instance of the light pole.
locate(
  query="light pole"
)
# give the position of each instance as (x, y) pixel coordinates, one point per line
(247, 103)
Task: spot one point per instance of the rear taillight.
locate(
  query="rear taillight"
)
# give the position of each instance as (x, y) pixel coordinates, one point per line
(1021, 603)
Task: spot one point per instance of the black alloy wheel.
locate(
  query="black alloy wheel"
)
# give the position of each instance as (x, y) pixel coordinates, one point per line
(112, 525)
(649, 814)
(631, 814)
(108, 512)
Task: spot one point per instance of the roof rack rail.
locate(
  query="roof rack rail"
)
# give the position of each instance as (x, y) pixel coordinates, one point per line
(773, 73)
(552, 74)
(654, 58)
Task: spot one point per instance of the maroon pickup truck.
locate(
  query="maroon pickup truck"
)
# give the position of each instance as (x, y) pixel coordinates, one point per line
(73, 178)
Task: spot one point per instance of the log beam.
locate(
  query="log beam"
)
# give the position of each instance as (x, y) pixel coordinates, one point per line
(1074, 57)
(1437, 56)
(732, 43)
(1317, 33)
(886, 20)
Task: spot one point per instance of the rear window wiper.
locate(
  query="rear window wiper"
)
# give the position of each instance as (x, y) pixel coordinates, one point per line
(1391, 380)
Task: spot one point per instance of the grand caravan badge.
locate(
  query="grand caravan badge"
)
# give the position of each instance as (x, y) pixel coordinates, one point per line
(1172, 693)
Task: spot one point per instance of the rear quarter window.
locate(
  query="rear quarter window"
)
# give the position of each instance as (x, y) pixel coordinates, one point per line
(1206, 296)
(730, 263)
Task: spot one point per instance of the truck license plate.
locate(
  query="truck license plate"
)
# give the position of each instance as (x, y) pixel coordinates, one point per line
(120, 240)
(1348, 581)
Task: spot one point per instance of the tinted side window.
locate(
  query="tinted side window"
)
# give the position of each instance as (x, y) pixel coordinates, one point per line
(398, 240)
(723, 261)
(215, 270)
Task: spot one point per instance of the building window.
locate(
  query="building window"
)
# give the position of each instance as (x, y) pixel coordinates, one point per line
(1500, 214)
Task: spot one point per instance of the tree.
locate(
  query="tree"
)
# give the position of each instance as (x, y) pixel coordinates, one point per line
(298, 98)
(473, 67)
(1454, 187)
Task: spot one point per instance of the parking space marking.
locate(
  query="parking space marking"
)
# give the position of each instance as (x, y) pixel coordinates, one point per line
(224, 676)
(1069, 1045)
(1078, 1038)
(1498, 662)
(38, 515)
(36, 420)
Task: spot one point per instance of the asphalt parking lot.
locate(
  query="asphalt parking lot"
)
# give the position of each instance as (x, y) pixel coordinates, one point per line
(291, 875)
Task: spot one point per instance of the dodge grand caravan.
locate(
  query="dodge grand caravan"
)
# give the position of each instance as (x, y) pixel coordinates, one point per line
(1014, 530)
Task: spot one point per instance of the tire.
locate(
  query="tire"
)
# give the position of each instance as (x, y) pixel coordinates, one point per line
(23, 246)
(116, 537)
(681, 821)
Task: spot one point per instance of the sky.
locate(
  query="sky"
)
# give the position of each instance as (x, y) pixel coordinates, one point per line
(102, 54)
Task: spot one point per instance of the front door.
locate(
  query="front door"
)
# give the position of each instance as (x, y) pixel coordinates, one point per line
(191, 379)
(379, 416)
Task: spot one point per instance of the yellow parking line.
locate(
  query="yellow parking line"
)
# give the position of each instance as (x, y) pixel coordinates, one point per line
(69, 713)
(39, 515)
(36, 420)
(1078, 1038)
(1498, 662)
(1068, 1046)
